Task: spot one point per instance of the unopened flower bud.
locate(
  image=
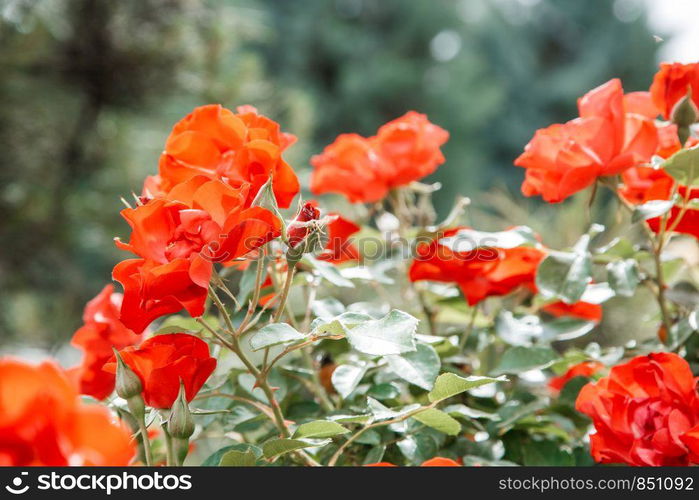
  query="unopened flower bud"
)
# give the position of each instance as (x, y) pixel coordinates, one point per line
(128, 385)
(181, 424)
(684, 114)
(299, 228)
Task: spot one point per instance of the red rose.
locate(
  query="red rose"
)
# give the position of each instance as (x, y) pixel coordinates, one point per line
(681, 221)
(102, 330)
(364, 170)
(432, 462)
(643, 184)
(481, 272)
(672, 83)
(350, 166)
(584, 369)
(611, 135)
(298, 228)
(44, 423)
(178, 237)
(152, 290)
(162, 361)
(238, 148)
(410, 144)
(581, 310)
(339, 248)
(646, 412)
(440, 462)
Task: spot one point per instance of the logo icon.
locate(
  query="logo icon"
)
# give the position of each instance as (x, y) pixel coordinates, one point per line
(16, 487)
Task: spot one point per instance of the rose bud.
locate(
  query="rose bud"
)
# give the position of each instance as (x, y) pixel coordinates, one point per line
(299, 228)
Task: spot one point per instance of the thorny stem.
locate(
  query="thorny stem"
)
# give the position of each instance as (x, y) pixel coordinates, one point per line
(469, 329)
(358, 434)
(255, 295)
(148, 456)
(318, 388)
(222, 309)
(402, 213)
(657, 243)
(261, 380)
(281, 307)
(170, 455)
(427, 311)
(262, 408)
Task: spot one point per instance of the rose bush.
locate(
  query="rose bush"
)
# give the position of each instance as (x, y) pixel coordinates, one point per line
(255, 330)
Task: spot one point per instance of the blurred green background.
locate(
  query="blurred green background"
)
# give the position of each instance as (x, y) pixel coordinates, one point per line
(90, 89)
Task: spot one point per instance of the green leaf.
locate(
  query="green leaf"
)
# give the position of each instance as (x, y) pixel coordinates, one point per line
(327, 271)
(419, 367)
(418, 447)
(170, 329)
(439, 420)
(451, 384)
(382, 412)
(683, 166)
(327, 308)
(345, 378)
(566, 328)
(650, 209)
(467, 240)
(351, 419)
(319, 429)
(521, 359)
(564, 275)
(235, 458)
(546, 453)
(597, 293)
(276, 447)
(383, 391)
(274, 334)
(569, 393)
(215, 458)
(518, 329)
(623, 276)
(339, 325)
(367, 274)
(392, 334)
(685, 294)
(375, 455)
(468, 413)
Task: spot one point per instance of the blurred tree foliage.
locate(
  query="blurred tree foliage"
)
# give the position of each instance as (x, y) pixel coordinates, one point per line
(90, 88)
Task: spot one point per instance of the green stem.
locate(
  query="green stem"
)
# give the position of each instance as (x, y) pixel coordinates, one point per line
(319, 390)
(358, 434)
(469, 329)
(222, 310)
(660, 280)
(146, 442)
(255, 295)
(170, 460)
(281, 307)
(656, 242)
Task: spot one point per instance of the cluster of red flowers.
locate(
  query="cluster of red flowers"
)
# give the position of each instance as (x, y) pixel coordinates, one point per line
(487, 271)
(646, 412)
(200, 210)
(162, 361)
(43, 421)
(242, 149)
(364, 170)
(617, 133)
(101, 332)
